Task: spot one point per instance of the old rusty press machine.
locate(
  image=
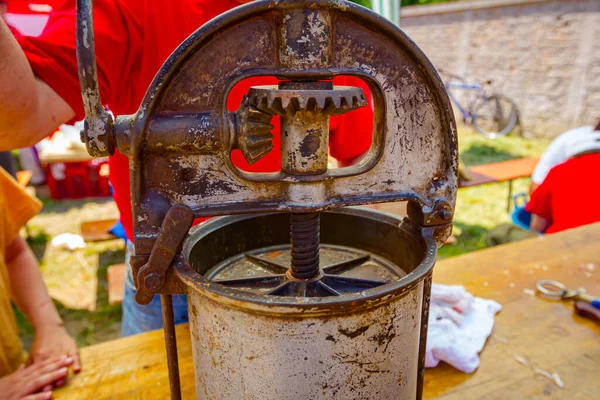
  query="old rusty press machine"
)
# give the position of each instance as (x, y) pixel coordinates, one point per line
(290, 296)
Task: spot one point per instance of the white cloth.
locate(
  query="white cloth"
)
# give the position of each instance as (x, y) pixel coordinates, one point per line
(68, 241)
(459, 325)
(565, 146)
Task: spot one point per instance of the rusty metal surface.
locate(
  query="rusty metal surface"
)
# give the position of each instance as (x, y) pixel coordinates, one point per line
(369, 354)
(359, 338)
(364, 344)
(305, 108)
(98, 134)
(426, 302)
(414, 152)
(397, 240)
(152, 276)
(166, 302)
(253, 131)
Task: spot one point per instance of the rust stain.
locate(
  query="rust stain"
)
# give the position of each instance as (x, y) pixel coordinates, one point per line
(355, 333)
(311, 143)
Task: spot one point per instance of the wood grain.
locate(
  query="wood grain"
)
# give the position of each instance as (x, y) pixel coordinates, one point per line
(546, 333)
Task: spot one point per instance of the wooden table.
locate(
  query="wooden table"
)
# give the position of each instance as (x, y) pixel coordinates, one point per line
(502, 171)
(544, 332)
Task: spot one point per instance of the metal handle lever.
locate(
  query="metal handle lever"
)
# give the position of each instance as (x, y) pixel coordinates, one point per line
(97, 134)
(151, 277)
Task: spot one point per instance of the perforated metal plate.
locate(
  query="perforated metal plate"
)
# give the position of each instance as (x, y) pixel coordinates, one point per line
(344, 270)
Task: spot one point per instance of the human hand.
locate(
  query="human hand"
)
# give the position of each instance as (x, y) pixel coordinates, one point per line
(35, 381)
(52, 342)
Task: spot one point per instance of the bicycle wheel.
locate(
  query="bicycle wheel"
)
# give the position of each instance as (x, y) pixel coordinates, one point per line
(494, 116)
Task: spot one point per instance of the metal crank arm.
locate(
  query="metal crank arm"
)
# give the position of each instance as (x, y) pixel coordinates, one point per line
(152, 276)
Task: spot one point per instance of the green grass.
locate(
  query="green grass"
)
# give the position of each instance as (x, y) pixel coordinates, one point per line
(78, 277)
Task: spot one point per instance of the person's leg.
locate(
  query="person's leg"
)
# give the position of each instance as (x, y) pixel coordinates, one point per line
(139, 318)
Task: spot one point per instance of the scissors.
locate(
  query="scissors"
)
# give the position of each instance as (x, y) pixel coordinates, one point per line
(585, 304)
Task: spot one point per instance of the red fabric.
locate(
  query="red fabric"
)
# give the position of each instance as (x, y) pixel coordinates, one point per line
(567, 198)
(133, 39)
(13, 30)
(31, 7)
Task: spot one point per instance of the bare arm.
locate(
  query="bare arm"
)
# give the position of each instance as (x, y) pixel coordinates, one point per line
(29, 109)
(30, 295)
(538, 224)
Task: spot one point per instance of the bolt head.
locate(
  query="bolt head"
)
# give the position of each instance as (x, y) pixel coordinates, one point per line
(152, 282)
(446, 215)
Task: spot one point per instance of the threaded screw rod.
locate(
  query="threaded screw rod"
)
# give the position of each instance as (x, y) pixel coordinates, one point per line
(305, 238)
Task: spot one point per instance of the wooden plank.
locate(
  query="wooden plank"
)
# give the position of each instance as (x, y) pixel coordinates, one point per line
(94, 231)
(23, 177)
(115, 275)
(130, 368)
(500, 171)
(545, 332)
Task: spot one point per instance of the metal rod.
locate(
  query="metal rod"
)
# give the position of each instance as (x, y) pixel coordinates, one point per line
(86, 58)
(305, 237)
(166, 302)
(98, 134)
(427, 282)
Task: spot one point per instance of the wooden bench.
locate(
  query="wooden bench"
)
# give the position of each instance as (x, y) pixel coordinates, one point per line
(503, 171)
(95, 231)
(115, 275)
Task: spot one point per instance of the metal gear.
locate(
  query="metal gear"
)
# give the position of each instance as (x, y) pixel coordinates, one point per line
(321, 97)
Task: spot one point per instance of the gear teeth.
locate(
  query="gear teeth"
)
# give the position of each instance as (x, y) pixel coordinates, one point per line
(258, 128)
(257, 140)
(302, 103)
(285, 102)
(270, 102)
(337, 101)
(253, 155)
(344, 102)
(256, 115)
(320, 102)
(333, 102)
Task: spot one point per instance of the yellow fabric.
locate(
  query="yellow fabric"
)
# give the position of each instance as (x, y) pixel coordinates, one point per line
(16, 208)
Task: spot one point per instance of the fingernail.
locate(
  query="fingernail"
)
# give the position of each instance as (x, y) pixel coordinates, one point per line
(63, 370)
(47, 395)
(46, 388)
(69, 359)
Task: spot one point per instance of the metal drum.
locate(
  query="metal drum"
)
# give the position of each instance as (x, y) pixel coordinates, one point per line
(358, 334)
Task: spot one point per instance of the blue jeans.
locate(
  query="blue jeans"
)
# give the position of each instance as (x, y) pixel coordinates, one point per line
(139, 318)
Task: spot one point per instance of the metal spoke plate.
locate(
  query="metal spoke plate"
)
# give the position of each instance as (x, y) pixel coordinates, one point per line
(345, 270)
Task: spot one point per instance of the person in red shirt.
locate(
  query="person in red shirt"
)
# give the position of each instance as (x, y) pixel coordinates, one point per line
(566, 198)
(39, 90)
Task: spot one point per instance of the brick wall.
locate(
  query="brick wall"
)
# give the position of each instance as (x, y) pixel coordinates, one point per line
(543, 54)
